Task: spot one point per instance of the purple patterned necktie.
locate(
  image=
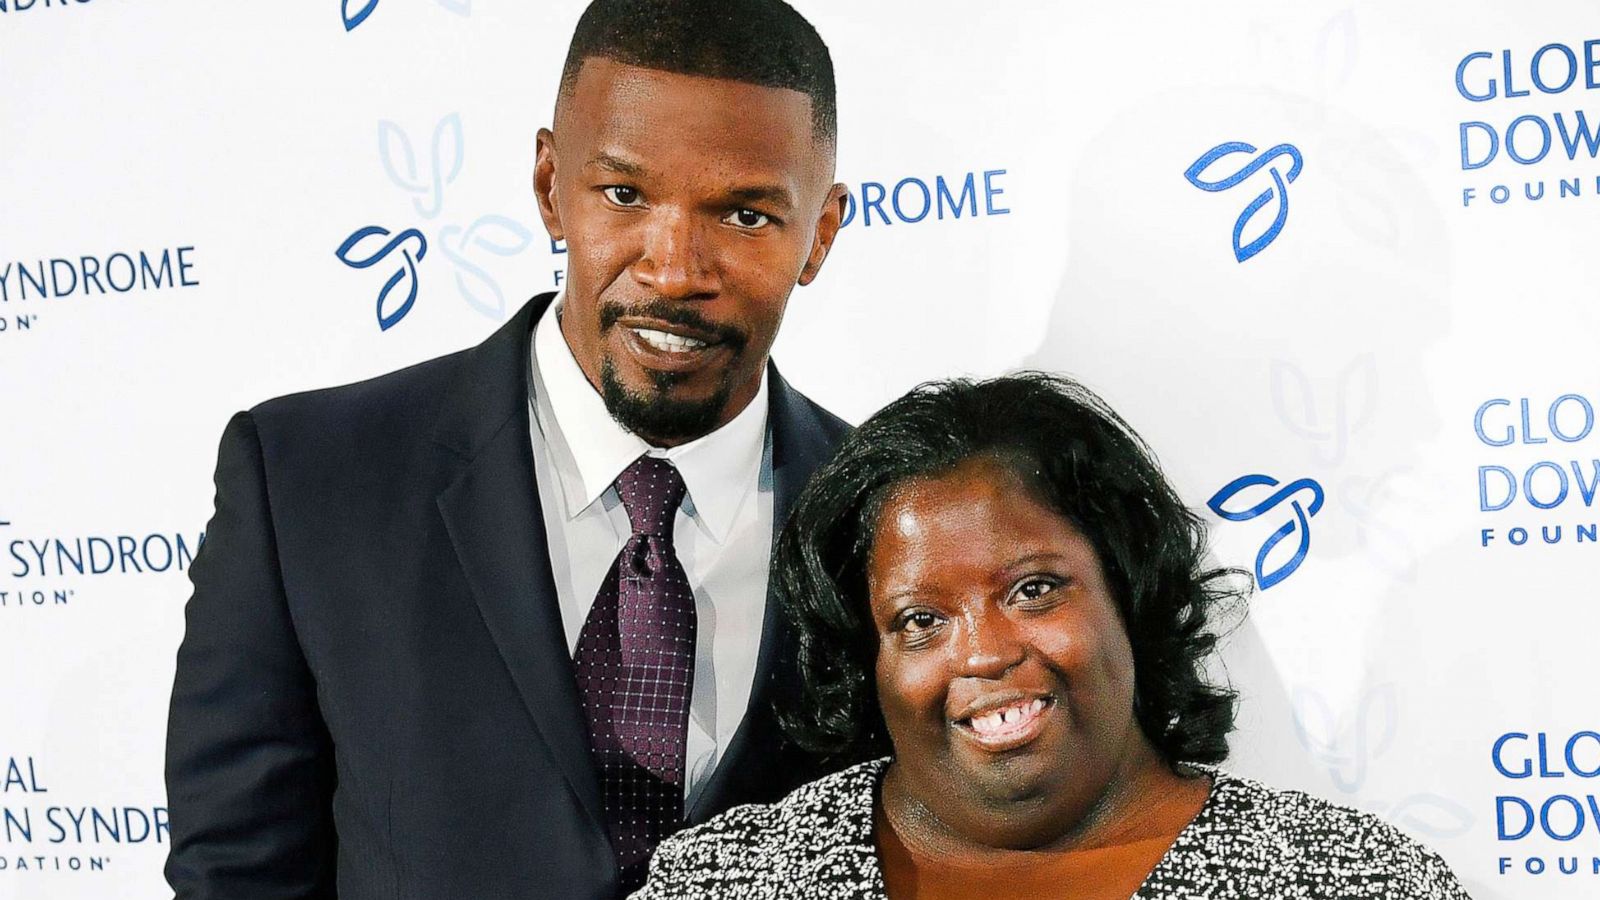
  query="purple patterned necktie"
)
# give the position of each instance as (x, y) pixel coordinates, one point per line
(635, 666)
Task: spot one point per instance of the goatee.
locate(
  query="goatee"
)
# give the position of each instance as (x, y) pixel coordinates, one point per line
(656, 416)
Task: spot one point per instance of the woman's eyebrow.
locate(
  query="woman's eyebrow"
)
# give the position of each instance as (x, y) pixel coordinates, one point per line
(1042, 556)
(914, 590)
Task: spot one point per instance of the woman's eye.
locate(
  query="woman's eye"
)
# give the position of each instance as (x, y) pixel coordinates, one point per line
(747, 218)
(622, 195)
(918, 620)
(1036, 588)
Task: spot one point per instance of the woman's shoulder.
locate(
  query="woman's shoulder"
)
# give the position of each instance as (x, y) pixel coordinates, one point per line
(809, 812)
(820, 834)
(1285, 838)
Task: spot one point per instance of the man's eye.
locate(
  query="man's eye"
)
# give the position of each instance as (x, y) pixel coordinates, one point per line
(746, 218)
(622, 195)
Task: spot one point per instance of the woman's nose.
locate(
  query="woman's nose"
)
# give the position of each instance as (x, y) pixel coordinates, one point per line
(991, 644)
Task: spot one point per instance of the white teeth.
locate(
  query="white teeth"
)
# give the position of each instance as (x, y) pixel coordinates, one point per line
(671, 343)
(1007, 719)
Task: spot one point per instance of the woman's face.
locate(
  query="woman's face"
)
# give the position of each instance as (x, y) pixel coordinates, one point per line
(1004, 672)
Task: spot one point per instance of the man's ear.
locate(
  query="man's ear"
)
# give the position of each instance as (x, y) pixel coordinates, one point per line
(827, 228)
(544, 184)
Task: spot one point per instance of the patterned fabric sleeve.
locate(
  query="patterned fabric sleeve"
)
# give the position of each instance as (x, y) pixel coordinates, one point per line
(1251, 840)
(1432, 878)
(1369, 852)
(715, 856)
(817, 842)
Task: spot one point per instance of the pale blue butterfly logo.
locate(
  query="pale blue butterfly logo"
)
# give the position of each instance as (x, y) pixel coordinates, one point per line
(424, 178)
(492, 234)
(1279, 191)
(1349, 746)
(1327, 414)
(1298, 525)
(469, 249)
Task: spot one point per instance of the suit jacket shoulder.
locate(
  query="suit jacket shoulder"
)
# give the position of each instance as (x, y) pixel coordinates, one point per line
(381, 441)
(413, 391)
(804, 436)
(371, 422)
(804, 410)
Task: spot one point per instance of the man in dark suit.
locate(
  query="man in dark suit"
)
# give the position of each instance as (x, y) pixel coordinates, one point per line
(493, 625)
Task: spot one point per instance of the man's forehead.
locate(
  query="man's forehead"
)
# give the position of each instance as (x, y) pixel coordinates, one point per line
(635, 121)
(605, 86)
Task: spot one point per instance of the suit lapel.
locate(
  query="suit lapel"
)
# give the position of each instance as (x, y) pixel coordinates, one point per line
(493, 516)
(799, 446)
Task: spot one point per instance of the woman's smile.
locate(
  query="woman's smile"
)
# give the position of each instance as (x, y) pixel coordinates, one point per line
(1001, 724)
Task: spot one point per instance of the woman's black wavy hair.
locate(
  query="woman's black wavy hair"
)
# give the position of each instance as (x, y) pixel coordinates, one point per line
(1089, 466)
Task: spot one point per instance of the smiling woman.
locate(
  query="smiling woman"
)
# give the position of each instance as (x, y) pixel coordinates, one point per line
(1004, 607)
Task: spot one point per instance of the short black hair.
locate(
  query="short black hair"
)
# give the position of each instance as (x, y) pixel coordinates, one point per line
(762, 42)
(1088, 465)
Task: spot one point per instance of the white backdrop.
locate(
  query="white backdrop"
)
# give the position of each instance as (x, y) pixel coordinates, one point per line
(1369, 363)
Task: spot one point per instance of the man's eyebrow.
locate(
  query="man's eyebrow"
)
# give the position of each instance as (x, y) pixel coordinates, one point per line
(763, 193)
(617, 164)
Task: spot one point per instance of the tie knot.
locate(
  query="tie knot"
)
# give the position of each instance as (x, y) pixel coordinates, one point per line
(651, 490)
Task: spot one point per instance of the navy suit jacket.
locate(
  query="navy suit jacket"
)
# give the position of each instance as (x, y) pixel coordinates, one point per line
(374, 697)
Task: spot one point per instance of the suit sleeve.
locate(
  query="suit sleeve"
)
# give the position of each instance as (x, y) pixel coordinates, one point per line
(249, 762)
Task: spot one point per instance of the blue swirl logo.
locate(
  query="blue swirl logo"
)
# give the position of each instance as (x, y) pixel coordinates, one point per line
(355, 12)
(1279, 190)
(1299, 525)
(389, 314)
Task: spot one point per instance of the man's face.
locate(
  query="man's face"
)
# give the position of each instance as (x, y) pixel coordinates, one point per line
(691, 207)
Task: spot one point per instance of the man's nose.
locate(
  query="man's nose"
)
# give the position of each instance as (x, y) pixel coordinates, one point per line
(677, 260)
(991, 644)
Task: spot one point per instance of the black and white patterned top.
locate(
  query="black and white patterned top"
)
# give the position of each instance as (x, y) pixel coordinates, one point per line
(1248, 841)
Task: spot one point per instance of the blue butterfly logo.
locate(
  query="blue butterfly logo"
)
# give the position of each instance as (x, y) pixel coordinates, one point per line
(354, 17)
(1300, 524)
(1278, 191)
(388, 313)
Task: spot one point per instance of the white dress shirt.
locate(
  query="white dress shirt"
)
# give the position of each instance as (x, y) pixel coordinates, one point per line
(723, 532)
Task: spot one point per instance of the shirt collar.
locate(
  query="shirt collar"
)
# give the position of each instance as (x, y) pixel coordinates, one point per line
(591, 449)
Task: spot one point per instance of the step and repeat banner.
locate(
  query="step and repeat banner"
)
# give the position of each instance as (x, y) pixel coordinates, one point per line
(1335, 261)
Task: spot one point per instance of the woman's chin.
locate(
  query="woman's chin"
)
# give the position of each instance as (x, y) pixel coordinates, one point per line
(1023, 823)
(1024, 797)
(1012, 784)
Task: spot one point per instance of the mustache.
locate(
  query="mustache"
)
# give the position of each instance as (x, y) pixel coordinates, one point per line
(674, 313)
